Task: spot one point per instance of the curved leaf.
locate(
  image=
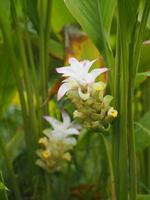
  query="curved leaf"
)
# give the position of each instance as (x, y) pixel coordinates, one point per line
(95, 18)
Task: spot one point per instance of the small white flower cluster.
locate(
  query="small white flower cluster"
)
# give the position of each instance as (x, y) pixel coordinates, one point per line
(57, 143)
(88, 95)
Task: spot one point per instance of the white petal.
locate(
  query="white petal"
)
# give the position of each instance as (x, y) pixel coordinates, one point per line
(67, 72)
(87, 64)
(66, 119)
(54, 122)
(63, 70)
(104, 69)
(73, 61)
(57, 134)
(96, 72)
(76, 66)
(72, 83)
(72, 131)
(70, 140)
(73, 75)
(62, 90)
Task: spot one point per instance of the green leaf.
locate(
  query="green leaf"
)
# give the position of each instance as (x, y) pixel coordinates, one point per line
(5, 8)
(143, 197)
(144, 64)
(60, 16)
(144, 73)
(95, 19)
(55, 47)
(31, 10)
(107, 9)
(131, 10)
(15, 144)
(141, 7)
(142, 133)
(7, 82)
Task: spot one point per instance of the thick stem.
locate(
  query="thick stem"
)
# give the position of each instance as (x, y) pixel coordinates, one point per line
(121, 151)
(116, 135)
(131, 143)
(122, 155)
(135, 52)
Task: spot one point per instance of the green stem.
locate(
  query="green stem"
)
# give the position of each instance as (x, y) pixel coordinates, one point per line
(43, 74)
(28, 85)
(16, 72)
(121, 122)
(148, 167)
(34, 74)
(44, 37)
(146, 107)
(47, 36)
(108, 154)
(130, 126)
(48, 186)
(135, 52)
(131, 143)
(116, 126)
(31, 134)
(3, 193)
(10, 170)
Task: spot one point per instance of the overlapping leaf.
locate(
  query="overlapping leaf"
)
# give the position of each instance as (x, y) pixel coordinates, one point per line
(95, 18)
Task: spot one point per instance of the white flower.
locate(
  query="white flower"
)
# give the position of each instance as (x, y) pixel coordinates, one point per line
(62, 131)
(58, 142)
(78, 76)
